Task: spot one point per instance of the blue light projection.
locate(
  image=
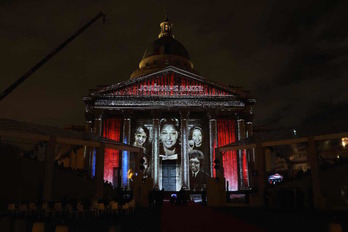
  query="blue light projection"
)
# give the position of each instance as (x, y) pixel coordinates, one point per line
(93, 162)
(124, 165)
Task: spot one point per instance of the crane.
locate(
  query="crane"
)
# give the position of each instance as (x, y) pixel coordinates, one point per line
(49, 56)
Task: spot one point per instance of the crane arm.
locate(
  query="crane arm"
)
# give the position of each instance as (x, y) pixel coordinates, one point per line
(49, 56)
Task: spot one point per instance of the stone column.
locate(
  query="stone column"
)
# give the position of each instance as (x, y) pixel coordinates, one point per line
(155, 147)
(126, 154)
(98, 124)
(248, 134)
(88, 150)
(49, 169)
(184, 145)
(260, 175)
(242, 154)
(319, 201)
(220, 172)
(249, 129)
(240, 136)
(212, 139)
(250, 152)
(88, 153)
(262, 170)
(99, 171)
(241, 129)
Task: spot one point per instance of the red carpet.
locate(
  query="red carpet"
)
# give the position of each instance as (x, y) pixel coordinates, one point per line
(194, 217)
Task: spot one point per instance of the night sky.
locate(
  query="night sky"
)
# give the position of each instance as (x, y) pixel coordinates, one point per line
(291, 55)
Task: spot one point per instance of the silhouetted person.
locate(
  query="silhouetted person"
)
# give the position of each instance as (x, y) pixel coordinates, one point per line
(184, 196)
(204, 197)
(156, 196)
(161, 197)
(151, 198)
(173, 199)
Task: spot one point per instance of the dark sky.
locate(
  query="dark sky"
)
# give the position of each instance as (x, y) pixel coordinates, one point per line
(291, 55)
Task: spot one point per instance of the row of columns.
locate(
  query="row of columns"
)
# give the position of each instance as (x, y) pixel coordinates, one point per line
(184, 116)
(318, 199)
(49, 170)
(244, 130)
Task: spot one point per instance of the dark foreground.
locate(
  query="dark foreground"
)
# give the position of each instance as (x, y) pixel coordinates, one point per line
(190, 217)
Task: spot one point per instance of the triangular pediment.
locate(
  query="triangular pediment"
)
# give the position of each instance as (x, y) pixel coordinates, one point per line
(168, 82)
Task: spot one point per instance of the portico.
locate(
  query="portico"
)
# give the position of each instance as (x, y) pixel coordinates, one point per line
(167, 90)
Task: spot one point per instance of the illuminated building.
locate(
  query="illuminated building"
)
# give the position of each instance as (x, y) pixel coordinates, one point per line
(167, 108)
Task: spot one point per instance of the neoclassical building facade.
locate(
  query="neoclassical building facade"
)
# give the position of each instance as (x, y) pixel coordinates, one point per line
(177, 116)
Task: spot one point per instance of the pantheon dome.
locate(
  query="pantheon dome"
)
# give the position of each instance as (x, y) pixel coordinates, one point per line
(164, 51)
(170, 112)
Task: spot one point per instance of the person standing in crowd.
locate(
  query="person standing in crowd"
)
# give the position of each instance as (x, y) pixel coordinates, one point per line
(198, 178)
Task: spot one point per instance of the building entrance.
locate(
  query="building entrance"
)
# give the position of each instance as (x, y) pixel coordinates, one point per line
(169, 175)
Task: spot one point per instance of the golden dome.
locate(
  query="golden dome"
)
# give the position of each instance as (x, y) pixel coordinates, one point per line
(164, 51)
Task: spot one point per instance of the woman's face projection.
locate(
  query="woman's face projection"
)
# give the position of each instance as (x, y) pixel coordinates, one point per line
(197, 137)
(169, 136)
(140, 137)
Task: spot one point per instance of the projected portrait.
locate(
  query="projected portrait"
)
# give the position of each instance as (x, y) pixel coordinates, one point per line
(198, 177)
(195, 138)
(169, 139)
(140, 138)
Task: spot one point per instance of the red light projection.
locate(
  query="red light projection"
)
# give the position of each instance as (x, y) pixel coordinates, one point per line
(215, 146)
(111, 130)
(171, 84)
(244, 169)
(227, 134)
